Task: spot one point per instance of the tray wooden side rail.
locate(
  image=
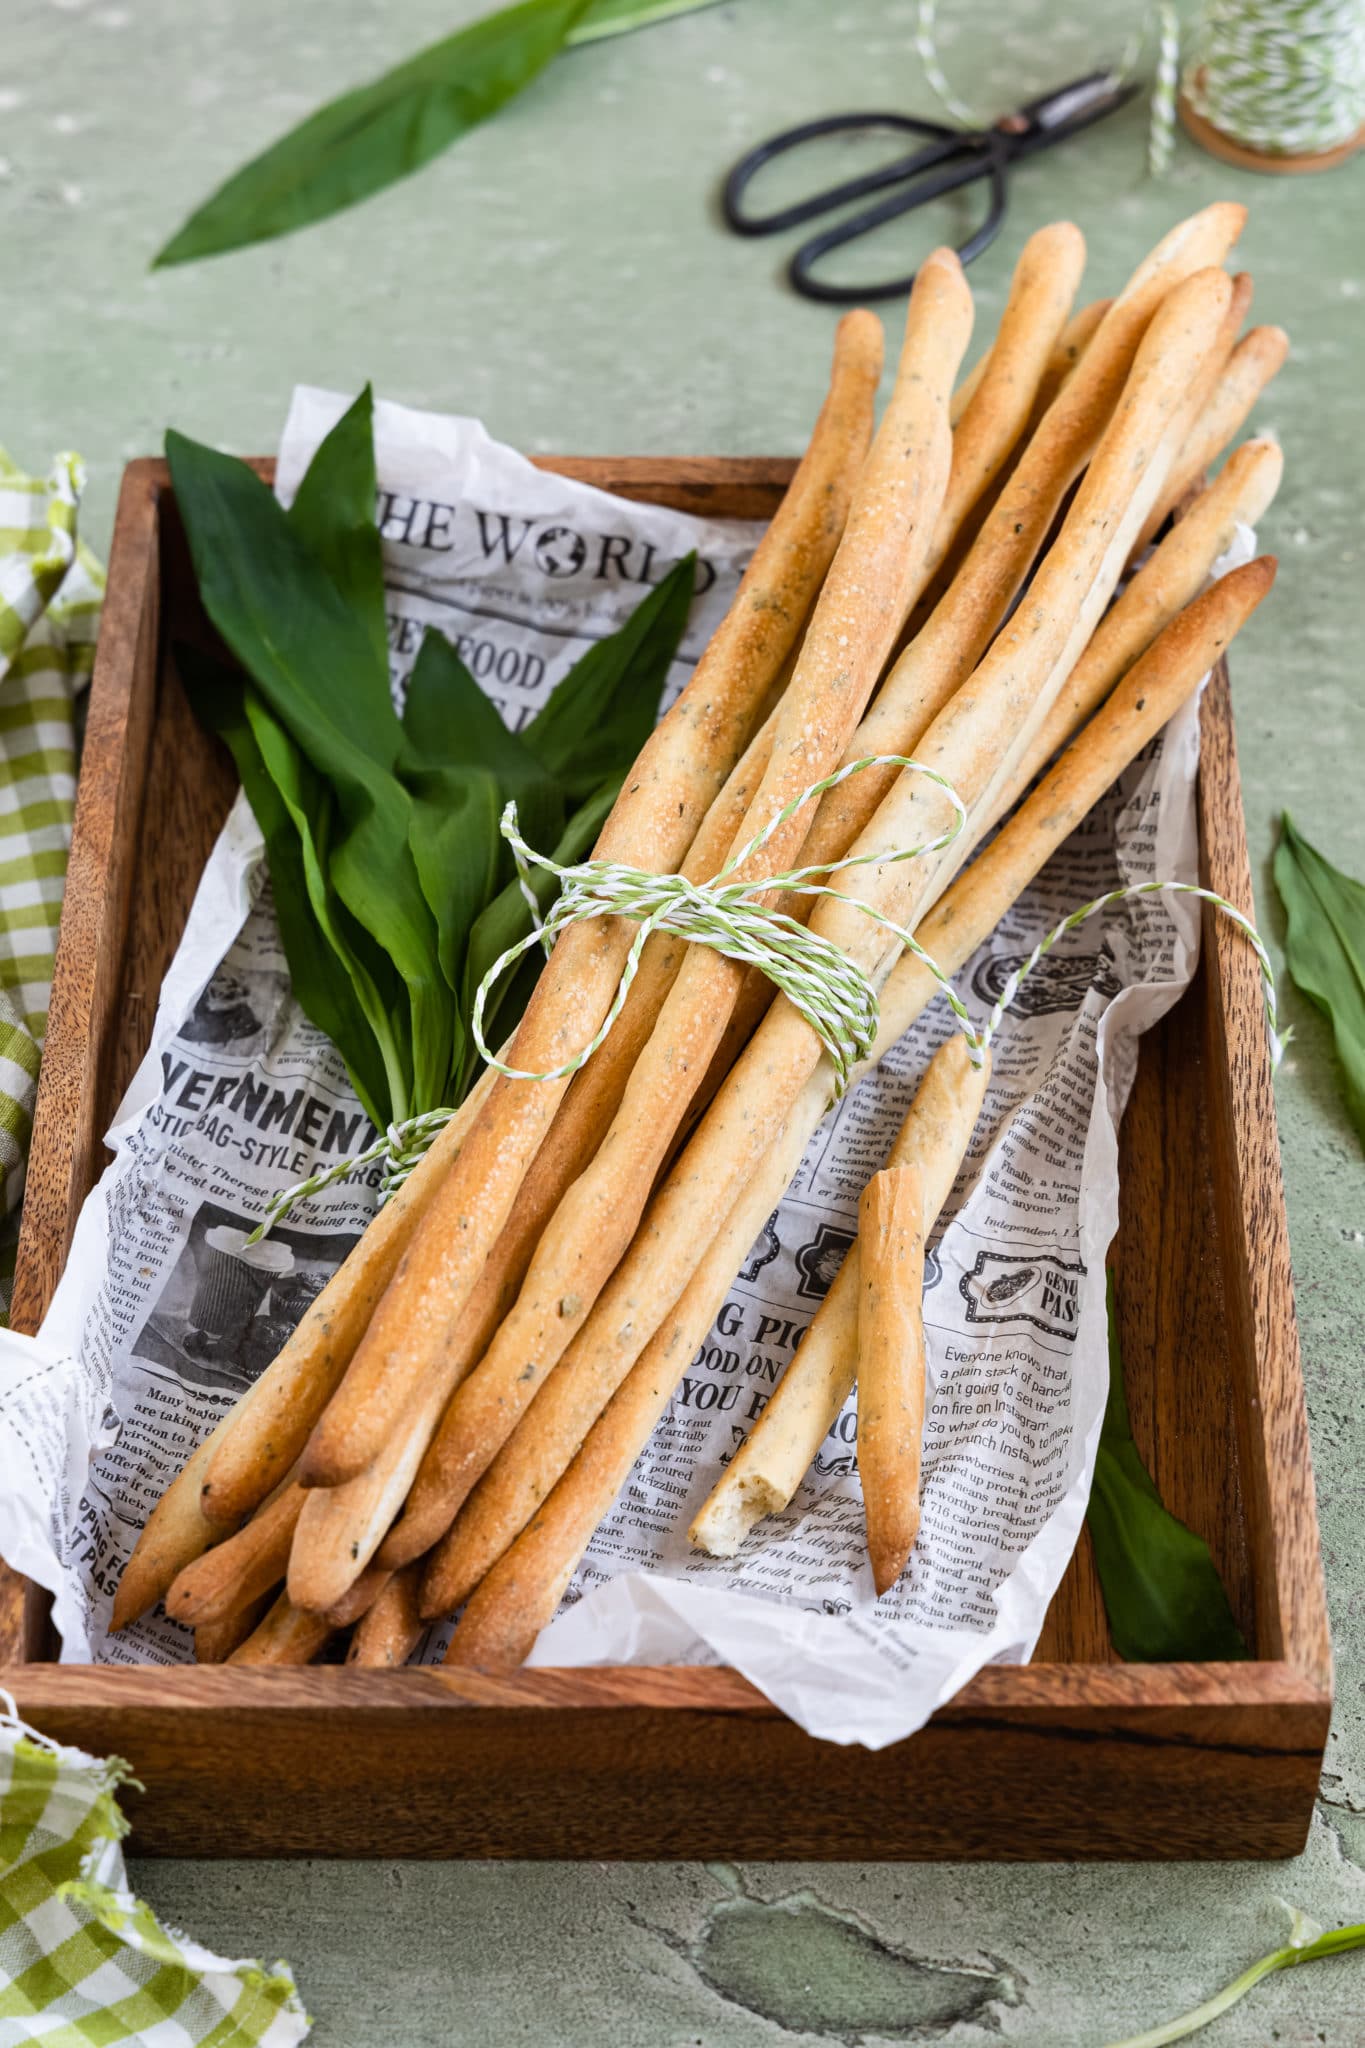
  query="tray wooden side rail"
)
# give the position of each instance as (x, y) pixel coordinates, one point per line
(1073, 1755)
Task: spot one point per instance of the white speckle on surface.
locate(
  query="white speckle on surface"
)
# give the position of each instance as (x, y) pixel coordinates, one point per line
(68, 124)
(1351, 287)
(10, 98)
(112, 17)
(71, 195)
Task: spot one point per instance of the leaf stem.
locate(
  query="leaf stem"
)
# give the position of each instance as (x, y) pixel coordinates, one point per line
(1336, 1942)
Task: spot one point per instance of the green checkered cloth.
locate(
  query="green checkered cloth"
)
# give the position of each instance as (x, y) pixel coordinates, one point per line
(84, 1964)
(50, 592)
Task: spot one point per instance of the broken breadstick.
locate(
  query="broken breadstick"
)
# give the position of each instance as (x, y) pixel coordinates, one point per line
(780, 1448)
(890, 1365)
(677, 775)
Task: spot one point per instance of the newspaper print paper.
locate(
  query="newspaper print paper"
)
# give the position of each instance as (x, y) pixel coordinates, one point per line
(160, 1323)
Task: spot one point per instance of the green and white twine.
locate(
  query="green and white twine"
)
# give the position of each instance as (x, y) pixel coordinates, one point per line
(1282, 77)
(831, 992)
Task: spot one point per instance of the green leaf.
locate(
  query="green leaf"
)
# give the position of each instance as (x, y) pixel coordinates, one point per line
(508, 918)
(599, 716)
(314, 663)
(1298, 1949)
(333, 515)
(1325, 947)
(369, 138)
(1162, 1594)
(618, 17)
(322, 980)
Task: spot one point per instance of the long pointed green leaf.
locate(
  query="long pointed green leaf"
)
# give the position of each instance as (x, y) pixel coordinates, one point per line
(381, 132)
(1162, 1594)
(333, 515)
(311, 657)
(599, 716)
(619, 17)
(322, 980)
(1325, 947)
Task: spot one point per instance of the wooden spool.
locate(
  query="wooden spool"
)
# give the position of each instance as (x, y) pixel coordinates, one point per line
(1232, 152)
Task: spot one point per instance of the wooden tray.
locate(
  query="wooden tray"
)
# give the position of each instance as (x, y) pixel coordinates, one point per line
(1074, 1755)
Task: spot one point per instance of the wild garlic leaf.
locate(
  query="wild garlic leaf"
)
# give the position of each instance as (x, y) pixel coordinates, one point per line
(1325, 948)
(618, 17)
(381, 132)
(323, 981)
(333, 515)
(598, 717)
(1163, 1597)
(313, 661)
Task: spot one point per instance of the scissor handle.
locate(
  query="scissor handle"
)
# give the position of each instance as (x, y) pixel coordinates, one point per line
(989, 159)
(944, 142)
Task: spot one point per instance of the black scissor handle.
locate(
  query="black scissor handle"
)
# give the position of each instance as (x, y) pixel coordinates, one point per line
(943, 143)
(989, 159)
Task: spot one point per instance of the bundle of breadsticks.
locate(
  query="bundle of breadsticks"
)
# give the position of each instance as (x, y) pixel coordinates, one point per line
(972, 585)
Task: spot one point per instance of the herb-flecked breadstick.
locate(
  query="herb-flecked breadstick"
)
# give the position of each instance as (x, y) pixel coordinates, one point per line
(391, 1629)
(857, 617)
(516, 1599)
(680, 770)
(891, 1365)
(239, 1570)
(285, 1636)
(1255, 360)
(780, 1448)
(519, 1594)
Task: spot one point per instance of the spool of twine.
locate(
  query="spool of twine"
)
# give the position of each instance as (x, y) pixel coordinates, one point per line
(1276, 85)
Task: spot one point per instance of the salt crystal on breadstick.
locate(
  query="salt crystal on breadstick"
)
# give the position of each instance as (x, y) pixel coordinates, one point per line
(285, 1636)
(857, 617)
(680, 769)
(890, 1365)
(518, 1597)
(778, 1452)
(1255, 360)
(239, 1570)
(391, 1629)
(520, 1592)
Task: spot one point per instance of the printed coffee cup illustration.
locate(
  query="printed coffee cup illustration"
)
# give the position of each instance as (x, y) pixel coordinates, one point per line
(231, 1282)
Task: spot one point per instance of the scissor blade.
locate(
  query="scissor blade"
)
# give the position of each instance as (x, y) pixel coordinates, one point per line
(1065, 112)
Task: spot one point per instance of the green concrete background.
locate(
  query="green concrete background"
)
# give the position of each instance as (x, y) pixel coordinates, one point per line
(562, 275)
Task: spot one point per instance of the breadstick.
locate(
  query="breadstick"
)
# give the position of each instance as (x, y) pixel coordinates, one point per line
(1067, 351)
(941, 657)
(520, 1593)
(174, 1533)
(359, 1597)
(341, 1527)
(515, 1488)
(215, 1641)
(680, 769)
(890, 1366)
(1012, 692)
(238, 1571)
(286, 1636)
(391, 1629)
(780, 1448)
(856, 619)
(1255, 360)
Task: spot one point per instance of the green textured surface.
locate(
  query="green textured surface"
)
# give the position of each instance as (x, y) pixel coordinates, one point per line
(562, 275)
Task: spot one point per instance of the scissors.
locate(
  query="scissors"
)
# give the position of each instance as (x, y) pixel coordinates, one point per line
(951, 157)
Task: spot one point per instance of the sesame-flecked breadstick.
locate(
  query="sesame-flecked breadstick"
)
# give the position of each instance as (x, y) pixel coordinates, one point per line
(680, 770)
